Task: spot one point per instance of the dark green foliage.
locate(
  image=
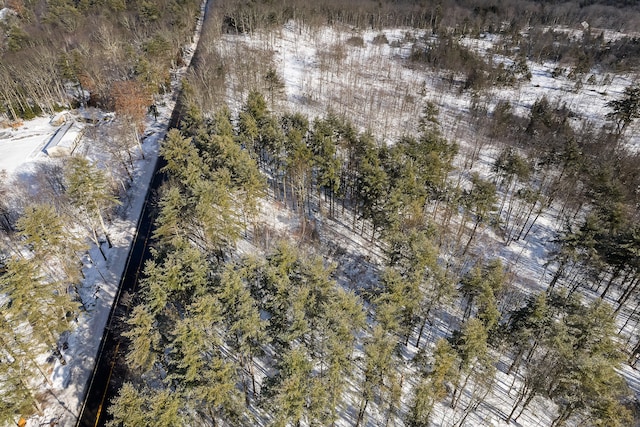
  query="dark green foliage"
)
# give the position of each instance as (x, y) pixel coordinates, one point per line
(381, 378)
(289, 391)
(135, 407)
(418, 170)
(625, 110)
(567, 353)
(91, 195)
(432, 385)
(219, 184)
(36, 311)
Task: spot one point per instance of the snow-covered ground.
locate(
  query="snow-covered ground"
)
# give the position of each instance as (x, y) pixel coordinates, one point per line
(375, 84)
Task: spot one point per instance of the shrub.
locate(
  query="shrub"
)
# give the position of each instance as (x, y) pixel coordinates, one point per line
(380, 39)
(356, 41)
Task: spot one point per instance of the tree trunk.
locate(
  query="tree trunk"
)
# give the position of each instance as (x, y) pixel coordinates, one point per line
(525, 405)
(135, 130)
(631, 289)
(361, 412)
(424, 323)
(614, 276)
(473, 233)
(97, 242)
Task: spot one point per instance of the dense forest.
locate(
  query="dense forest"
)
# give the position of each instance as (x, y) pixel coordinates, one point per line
(50, 50)
(383, 300)
(282, 337)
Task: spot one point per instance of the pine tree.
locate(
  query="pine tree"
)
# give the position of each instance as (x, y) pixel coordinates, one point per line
(474, 361)
(44, 305)
(246, 331)
(570, 357)
(89, 191)
(298, 158)
(171, 223)
(479, 201)
(221, 151)
(625, 110)
(335, 339)
(197, 364)
(183, 160)
(481, 287)
(145, 339)
(216, 215)
(128, 408)
(53, 245)
(412, 253)
(586, 382)
(397, 305)
(371, 185)
(18, 371)
(380, 375)
(133, 407)
(432, 386)
(177, 273)
(289, 390)
(326, 159)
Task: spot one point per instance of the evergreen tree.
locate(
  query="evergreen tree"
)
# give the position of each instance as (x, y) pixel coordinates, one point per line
(44, 232)
(625, 110)
(480, 202)
(414, 256)
(128, 408)
(481, 287)
(145, 339)
(432, 386)
(198, 365)
(172, 223)
(345, 319)
(397, 305)
(324, 147)
(246, 331)
(89, 191)
(183, 160)
(18, 370)
(45, 306)
(380, 375)
(289, 390)
(586, 382)
(474, 362)
(298, 159)
(371, 185)
(133, 407)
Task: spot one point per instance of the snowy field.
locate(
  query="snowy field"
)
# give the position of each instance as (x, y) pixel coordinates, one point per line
(375, 84)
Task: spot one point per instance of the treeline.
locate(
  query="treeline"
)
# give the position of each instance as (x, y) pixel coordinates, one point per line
(217, 337)
(468, 16)
(529, 29)
(59, 54)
